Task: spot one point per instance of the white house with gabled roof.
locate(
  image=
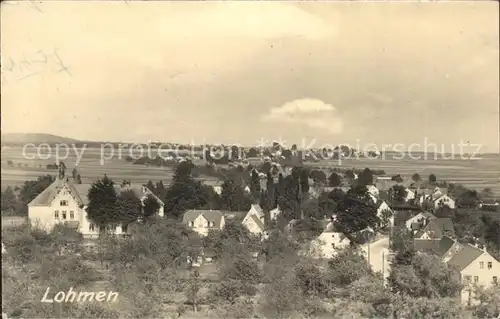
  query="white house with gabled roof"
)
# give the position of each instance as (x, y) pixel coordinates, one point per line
(64, 202)
(202, 221)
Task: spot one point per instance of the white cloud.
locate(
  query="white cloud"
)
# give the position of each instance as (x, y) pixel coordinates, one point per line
(311, 112)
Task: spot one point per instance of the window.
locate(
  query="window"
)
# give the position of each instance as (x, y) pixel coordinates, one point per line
(63, 214)
(56, 214)
(91, 227)
(481, 264)
(476, 278)
(71, 215)
(124, 228)
(495, 280)
(191, 224)
(102, 229)
(63, 203)
(490, 264)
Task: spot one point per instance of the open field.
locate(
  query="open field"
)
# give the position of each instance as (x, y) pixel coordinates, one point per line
(89, 168)
(477, 174)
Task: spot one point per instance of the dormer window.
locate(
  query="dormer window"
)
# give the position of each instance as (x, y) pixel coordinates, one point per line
(191, 224)
(63, 203)
(211, 224)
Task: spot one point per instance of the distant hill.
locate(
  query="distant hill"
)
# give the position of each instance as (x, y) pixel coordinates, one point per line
(36, 138)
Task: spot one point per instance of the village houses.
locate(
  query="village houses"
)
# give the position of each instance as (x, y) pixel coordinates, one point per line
(254, 220)
(477, 268)
(202, 221)
(437, 197)
(65, 202)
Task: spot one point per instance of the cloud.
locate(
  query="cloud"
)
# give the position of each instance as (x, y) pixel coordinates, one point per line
(310, 112)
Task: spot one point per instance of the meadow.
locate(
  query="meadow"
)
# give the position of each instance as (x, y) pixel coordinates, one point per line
(477, 174)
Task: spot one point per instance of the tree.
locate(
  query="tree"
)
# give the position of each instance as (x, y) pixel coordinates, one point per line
(101, 208)
(356, 212)
(160, 191)
(489, 302)
(253, 152)
(282, 296)
(185, 193)
(32, 189)
(402, 246)
(467, 198)
(318, 176)
(255, 184)
(492, 232)
(448, 308)
(334, 180)
(150, 206)
(349, 174)
(348, 266)
(278, 247)
(240, 267)
(232, 240)
(397, 178)
(265, 167)
(427, 276)
(66, 239)
(288, 197)
(233, 196)
(432, 179)
(416, 178)
(9, 201)
(128, 207)
(365, 177)
(397, 194)
(327, 203)
(192, 289)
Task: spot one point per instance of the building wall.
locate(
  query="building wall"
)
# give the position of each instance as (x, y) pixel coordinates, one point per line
(42, 217)
(72, 207)
(412, 220)
(484, 275)
(323, 246)
(381, 209)
(252, 226)
(274, 213)
(200, 225)
(446, 200)
(409, 195)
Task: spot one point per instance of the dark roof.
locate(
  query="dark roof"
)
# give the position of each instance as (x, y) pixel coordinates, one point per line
(406, 207)
(47, 195)
(465, 257)
(258, 208)
(438, 228)
(235, 215)
(438, 247)
(210, 215)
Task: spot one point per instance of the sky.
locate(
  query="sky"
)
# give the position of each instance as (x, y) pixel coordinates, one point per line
(228, 72)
